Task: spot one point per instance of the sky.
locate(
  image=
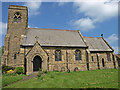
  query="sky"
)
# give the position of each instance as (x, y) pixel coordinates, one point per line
(91, 18)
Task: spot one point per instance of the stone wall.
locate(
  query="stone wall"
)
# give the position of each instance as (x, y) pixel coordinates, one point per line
(63, 65)
(70, 62)
(98, 60)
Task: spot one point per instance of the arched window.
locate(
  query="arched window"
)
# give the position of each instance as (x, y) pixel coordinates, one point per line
(15, 19)
(58, 55)
(103, 63)
(19, 19)
(15, 56)
(77, 55)
(92, 58)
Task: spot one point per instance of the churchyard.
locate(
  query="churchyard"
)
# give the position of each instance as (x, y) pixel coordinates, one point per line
(106, 78)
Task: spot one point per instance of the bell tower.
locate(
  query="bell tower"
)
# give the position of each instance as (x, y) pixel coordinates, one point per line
(17, 24)
(17, 20)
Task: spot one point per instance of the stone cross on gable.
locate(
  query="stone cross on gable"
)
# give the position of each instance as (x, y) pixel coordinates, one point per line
(36, 38)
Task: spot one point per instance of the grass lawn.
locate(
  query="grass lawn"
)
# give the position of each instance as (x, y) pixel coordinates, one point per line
(83, 79)
(8, 79)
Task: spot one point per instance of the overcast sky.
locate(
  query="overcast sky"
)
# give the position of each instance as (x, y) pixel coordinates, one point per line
(91, 18)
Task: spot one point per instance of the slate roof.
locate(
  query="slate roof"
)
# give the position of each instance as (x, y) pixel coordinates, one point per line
(53, 37)
(97, 44)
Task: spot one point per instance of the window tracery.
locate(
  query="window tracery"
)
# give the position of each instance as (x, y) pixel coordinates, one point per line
(17, 17)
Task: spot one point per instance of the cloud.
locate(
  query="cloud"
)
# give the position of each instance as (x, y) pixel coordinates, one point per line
(84, 24)
(99, 11)
(3, 26)
(96, 11)
(33, 8)
(3, 30)
(63, 2)
(112, 38)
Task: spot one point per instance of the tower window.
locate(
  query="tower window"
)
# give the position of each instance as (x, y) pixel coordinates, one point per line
(17, 17)
(77, 55)
(58, 55)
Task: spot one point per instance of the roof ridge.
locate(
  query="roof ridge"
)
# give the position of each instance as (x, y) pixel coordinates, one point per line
(53, 29)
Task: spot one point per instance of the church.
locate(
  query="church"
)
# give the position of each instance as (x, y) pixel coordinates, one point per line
(52, 49)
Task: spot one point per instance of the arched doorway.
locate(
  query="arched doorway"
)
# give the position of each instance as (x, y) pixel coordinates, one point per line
(37, 63)
(103, 63)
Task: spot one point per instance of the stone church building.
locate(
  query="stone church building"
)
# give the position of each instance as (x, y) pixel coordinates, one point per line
(52, 49)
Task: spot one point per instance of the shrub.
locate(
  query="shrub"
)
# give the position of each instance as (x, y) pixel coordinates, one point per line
(40, 74)
(68, 70)
(19, 70)
(45, 71)
(40, 69)
(6, 68)
(10, 72)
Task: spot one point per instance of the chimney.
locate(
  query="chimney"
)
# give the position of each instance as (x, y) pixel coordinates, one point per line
(101, 35)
